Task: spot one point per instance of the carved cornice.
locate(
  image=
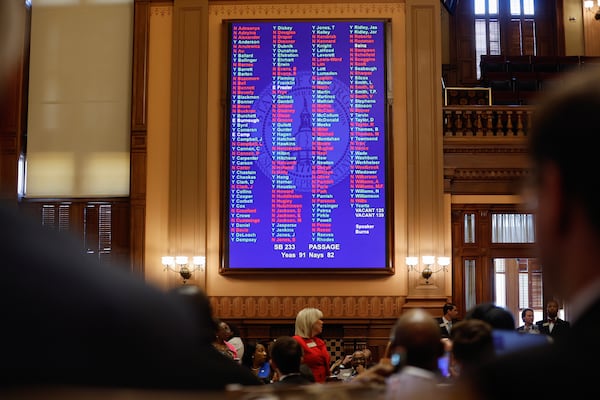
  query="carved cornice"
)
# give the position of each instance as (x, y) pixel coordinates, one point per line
(302, 10)
(485, 149)
(161, 11)
(486, 173)
(286, 307)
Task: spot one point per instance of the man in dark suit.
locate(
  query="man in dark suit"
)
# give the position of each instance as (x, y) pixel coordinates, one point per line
(449, 317)
(553, 326)
(565, 191)
(68, 320)
(286, 359)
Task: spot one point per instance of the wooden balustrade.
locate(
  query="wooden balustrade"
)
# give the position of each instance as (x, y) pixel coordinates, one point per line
(487, 121)
(485, 148)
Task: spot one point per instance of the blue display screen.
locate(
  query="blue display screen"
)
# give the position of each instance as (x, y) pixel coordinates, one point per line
(307, 146)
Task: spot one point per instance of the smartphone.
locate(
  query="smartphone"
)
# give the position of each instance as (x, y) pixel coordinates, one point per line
(397, 360)
(444, 365)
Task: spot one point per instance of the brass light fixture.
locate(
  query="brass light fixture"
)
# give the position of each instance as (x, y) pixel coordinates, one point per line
(431, 267)
(181, 265)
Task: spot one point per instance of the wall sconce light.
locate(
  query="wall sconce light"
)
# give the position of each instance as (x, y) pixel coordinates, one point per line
(180, 265)
(428, 261)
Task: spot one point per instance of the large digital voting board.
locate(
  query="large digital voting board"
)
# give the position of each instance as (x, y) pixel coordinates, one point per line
(307, 147)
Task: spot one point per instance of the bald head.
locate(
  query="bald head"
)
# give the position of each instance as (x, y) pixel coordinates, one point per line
(417, 336)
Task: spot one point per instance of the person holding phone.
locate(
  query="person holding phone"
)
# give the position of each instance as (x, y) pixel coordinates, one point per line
(415, 348)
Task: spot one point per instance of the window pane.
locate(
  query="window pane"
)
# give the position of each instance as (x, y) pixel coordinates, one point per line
(479, 7)
(469, 228)
(495, 37)
(74, 102)
(528, 7)
(500, 279)
(529, 38)
(493, 7)
(523, 290)
(470, 294)
(513, 228)
(515, 7)
(64, 220)
(515, 41)
(480, 43)
(48, 216)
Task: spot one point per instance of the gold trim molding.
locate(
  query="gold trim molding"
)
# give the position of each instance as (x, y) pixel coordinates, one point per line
(286, 307)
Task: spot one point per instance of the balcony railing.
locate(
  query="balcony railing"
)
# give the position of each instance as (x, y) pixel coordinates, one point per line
(485, 148)
(487, 121)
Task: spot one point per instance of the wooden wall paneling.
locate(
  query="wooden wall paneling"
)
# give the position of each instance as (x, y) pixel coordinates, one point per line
(139, 130)
(591, 32)
(121, 238)
(549, 39)
(9, 132)
(458, 278)
(426, 221)
(188, 148)
(13, 101)
(141, 22)
(464, 32)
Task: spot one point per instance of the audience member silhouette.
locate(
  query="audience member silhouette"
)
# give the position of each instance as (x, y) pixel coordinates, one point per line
(256, 359)
(69, 321)
(220, 341)
(341, 363)
(497, 317)
(357, 366)
(449, 317)
(235, 339)
(67, 318)
(565, 195)
(553, 326)
(528, 326)
(200, 310)
(472, 344)
(368, 357)
(416, 342)
(286, 358)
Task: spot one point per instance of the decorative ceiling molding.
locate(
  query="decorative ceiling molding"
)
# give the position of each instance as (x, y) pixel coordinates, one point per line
(303, 10)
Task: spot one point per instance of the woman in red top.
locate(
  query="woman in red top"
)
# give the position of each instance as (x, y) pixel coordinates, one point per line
(309, 325)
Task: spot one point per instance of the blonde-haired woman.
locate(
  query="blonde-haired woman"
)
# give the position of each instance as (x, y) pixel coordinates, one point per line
(309, 324)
